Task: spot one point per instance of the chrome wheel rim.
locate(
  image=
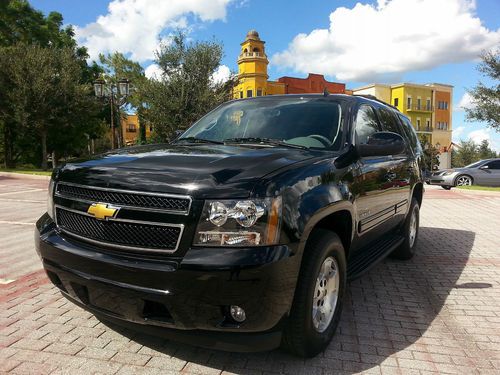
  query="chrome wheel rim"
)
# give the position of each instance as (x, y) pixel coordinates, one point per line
(413, 228)
(464, 181)
(326, 294)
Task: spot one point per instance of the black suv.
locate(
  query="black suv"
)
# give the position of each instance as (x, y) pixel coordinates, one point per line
(242, 233)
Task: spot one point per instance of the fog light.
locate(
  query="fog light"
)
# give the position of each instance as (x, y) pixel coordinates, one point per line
(237, 313)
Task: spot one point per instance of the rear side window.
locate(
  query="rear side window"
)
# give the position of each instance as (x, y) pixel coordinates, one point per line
(366, 124)
(389, 122)
(410, 134)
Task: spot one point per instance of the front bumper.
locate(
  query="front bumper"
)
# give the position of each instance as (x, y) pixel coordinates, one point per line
(185, 299)
(448, 180)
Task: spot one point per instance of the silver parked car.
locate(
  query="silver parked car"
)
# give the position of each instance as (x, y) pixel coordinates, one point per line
(483, 172)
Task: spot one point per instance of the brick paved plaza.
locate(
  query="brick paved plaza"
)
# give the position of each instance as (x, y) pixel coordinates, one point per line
(439, 312)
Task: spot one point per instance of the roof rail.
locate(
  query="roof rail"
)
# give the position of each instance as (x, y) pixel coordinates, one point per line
(373, 97)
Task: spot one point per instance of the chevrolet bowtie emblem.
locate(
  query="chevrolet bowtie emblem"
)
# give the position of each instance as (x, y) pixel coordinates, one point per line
(102, 211)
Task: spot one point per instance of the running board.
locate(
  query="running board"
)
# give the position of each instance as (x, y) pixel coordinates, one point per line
(365, 259)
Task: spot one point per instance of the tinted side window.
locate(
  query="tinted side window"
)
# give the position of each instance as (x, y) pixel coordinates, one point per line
(366, 124)
(411, 135)
(389, 121)
(494, 164)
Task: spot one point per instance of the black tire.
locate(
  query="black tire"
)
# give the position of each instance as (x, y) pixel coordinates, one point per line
(300, 337)
(407, 249)
(446, 187)
(463, 175)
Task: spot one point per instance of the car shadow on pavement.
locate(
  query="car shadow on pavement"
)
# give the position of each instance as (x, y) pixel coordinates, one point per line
(386, 310)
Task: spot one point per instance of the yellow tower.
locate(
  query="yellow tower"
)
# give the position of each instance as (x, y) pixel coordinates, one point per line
(252, 70)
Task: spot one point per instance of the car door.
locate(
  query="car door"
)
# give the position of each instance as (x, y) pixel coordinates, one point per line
(373, 182)
(488, 174)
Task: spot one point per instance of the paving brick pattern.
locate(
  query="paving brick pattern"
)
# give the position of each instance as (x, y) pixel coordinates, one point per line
(438, 313)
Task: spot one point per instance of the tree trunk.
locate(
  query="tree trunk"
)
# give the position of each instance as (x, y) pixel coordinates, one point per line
(8, 147)
(55, 162)
(44, 149)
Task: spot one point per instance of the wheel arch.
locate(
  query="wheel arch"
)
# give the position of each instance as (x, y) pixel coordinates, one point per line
(338, 217)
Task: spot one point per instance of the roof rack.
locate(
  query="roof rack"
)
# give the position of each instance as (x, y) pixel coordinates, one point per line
(373, 97)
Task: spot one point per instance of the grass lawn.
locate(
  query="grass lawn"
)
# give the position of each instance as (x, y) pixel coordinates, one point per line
(28, 171)
(476, 187)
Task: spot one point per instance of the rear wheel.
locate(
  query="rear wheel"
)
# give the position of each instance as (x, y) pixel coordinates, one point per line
(317, 305)
(410, 231)
(446, 187)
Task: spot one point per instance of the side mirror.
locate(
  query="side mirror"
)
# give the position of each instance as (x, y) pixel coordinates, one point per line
(382, 144)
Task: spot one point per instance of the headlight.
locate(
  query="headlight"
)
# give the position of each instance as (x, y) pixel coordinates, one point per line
(250, 222)
(447, 173)
(50, 199)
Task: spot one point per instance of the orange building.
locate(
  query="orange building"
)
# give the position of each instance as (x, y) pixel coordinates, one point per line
(312, 84)
(130, 129)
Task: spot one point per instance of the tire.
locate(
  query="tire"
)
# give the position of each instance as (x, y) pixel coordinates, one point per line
(446, 187)
(302, 335)
(464, 180)
(407, 249)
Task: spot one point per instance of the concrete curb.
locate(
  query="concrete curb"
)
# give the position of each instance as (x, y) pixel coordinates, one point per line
(24, 176)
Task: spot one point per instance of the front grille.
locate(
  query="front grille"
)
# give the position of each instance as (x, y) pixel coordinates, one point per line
(120, 234)
(125, 198)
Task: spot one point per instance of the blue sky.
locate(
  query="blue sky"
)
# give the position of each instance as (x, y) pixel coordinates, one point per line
(356, 42)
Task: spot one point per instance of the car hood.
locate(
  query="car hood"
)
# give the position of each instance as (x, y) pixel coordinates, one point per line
(202, 171)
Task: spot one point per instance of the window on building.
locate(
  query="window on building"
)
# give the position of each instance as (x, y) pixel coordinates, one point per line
(418, 124)
(150, 128)
(366, 124)
(396, 102)
(419, 103)
(428, 105)
(131, 128)
(428, 124)
(259, 92)
(249, 93)
(408, 102)
(445, 105)
(241, 94)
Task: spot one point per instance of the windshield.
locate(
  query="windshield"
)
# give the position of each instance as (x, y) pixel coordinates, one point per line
(305, 122)
(475, 165)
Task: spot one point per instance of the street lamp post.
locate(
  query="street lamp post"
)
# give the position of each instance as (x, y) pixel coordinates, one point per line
(115, 94)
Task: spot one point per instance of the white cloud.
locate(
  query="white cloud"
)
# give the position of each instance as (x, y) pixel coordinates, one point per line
(457, 132)
(465, 102)
(481, 134)
(134, 26)
(378, 41)
(222, 74)
(153, 71)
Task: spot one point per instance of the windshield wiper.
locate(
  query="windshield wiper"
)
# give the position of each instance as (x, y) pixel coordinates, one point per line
(197, 140)
(268, 141)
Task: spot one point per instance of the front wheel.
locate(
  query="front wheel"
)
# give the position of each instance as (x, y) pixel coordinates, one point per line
(317, 305)
(463, 180)
(445, 187)
(410, 232)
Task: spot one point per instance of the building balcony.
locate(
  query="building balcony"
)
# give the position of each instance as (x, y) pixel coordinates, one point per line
(253, 55)
(421, 108)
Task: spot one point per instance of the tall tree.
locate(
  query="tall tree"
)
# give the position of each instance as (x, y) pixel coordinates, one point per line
(484, 150)
(465, 154)
(49, 97)
(117, 66)
(185, 91)
(486, 98)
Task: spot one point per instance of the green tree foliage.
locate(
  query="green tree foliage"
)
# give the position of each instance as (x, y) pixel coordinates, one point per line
(116, 66)
(486, 99)
(469, 152)
(430, 156)
(185, 91)
(49, 103)
(40, 58)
